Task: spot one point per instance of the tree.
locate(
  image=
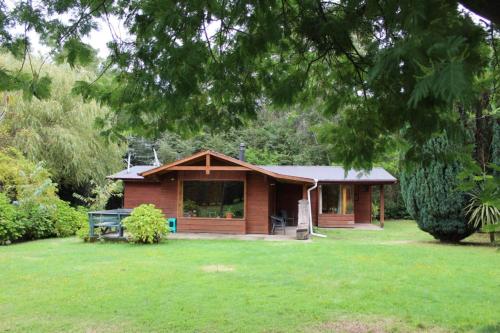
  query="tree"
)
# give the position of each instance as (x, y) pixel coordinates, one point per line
(482, 181)
(377, 67)
(430, 191)
(274, 137)
(61, 131)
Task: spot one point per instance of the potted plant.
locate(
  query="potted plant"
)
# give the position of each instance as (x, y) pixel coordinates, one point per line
(229, 213)
(190, 208)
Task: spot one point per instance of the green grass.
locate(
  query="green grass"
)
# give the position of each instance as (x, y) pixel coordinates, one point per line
(398, 279)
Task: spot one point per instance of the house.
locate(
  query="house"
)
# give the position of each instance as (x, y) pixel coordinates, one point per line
(212, 192)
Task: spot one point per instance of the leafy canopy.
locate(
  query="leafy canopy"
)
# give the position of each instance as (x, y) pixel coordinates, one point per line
(61, 130)
(377, 68)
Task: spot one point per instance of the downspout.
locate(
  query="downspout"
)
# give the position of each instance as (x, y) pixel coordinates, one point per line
(311, 231)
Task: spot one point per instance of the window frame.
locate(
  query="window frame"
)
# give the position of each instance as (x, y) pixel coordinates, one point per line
(180, 206)
(341, 193)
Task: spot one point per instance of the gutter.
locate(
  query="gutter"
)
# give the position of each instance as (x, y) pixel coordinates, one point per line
(310, 210)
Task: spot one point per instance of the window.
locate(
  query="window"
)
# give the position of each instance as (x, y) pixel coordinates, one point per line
(336, 199)
(213, 198)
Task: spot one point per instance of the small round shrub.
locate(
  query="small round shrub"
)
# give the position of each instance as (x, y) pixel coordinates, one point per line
(146, 224)
(10, 228)
(67, 220)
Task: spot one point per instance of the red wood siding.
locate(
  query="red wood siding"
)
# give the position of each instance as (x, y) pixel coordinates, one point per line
(221, 225)
(162, 194)
(334, 220)
(136, 194)
(261, 201)
(363, 204)
(214, 175)
(257, 204)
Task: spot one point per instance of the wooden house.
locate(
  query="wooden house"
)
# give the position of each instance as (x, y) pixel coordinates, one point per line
(212, 192)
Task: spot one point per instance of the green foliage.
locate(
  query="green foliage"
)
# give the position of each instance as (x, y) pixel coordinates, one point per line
(482, 213)
(10, 228)
(74, 51)
(40, 213)
(37, 220)
(61, 131)
(83, 231)
(23, 180)
(431, 194)
(100, 194)
(483, 208)
(375, 68)
(146, 224)
(262, 157)
(274, 137)
(495, 145)
(67, 220)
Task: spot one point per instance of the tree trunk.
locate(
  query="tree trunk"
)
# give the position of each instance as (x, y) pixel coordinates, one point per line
(483, 132)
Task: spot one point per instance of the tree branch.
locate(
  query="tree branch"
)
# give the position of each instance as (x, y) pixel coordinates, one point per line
(488, 9)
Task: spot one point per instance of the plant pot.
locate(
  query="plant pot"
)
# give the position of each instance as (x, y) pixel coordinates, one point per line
(229, 215)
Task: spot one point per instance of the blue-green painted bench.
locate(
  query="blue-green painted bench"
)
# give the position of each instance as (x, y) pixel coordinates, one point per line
(112, 219)
(107, 219)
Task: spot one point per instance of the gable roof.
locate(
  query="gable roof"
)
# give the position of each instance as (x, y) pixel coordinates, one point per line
(250, 167)
(302, 174)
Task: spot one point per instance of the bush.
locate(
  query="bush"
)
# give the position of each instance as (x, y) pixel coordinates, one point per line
(22, 180)
(83, 231)
(146, 224)
(431, 194)
(67, 220)
(10, 228)
(37, 221)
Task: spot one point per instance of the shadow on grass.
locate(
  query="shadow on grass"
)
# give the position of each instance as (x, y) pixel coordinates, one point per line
(495, 328)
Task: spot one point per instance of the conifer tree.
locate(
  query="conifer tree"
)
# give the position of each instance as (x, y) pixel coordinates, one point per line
(431, 194)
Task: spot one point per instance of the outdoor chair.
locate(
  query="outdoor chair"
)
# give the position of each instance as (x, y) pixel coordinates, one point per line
(278, 222)
(288, 220)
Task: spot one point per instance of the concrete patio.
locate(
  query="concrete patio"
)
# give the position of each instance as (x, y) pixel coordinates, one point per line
(289, 235)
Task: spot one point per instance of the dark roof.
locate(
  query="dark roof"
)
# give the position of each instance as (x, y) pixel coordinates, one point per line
(320, 173)
(132, 173)
(332, 173)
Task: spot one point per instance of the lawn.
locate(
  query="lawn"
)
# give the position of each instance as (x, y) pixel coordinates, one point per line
(397, 279)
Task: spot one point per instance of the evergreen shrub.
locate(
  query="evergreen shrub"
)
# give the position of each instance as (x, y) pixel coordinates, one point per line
(146, 224)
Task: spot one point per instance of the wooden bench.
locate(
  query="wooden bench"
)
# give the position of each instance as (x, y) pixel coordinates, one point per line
(107, 220)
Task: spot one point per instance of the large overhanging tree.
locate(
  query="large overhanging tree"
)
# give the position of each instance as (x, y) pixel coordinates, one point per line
(380, 68)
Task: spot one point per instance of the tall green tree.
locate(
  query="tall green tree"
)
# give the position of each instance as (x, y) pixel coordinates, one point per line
(61, 131)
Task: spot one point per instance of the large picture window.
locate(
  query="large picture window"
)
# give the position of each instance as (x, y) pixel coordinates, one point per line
(213, 199)
(336, 199)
